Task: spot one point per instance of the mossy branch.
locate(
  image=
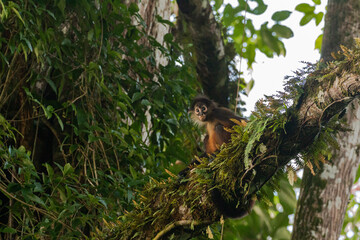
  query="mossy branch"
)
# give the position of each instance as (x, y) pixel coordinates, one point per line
(269, 142)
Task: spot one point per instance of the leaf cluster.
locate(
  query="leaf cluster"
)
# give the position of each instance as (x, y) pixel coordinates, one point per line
(85, 112)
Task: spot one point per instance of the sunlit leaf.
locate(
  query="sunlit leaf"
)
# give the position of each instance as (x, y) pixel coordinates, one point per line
(218, 4)
(305, 8)
(306, 18)
(318, 42)
(318, 18)
(228, 15)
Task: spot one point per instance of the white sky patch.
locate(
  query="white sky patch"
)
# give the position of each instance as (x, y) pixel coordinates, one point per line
(269, 73)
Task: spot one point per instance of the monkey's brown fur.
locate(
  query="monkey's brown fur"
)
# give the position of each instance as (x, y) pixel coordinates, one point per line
(216, 119)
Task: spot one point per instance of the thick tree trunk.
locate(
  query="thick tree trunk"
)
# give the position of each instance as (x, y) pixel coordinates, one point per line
(324, 197)
(342, 25)
(148, 10)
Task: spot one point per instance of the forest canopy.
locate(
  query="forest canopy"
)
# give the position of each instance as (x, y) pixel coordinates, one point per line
(94, 99)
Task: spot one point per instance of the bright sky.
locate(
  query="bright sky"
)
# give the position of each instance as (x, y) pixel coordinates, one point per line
(269, 73)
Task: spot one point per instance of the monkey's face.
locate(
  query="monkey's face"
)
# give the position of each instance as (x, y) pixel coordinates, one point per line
(201, 111)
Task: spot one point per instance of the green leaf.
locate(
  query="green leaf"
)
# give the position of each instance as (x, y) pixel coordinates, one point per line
(133, 8)
(287, 196)
(168, 37)
(66, 42)
(281, 15)
(269, 39)
(251, 52)
(51, 84)
(122, 106)
(59, 121)
(218, 4)
(282, 234)
(136, 96)
(28, 44)
(164, 21)
(318, 18)
(228, 15)
(102, 201)
(68, 169)
(8, 230)
(133, 172)
(281, 220)
(61, 5)
(305, 8)
(317, 2)
(318, 42)
(34, 198)
(48, 111)
(260, 9)
(18, 14)
(306, 19)
(282, 31)
(90, 34)
(13, 187)
(49, 170)
(38, 187)
(249, 86)
(145, 102)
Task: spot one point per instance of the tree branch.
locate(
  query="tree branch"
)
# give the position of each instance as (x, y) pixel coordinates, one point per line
(211, 65)
(247, 163)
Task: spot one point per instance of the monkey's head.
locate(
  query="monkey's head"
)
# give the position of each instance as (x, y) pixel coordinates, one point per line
(201, 108)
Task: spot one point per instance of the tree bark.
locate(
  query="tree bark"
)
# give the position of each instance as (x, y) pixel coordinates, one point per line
(324, 197)
(211, 64)
(148, 10)
(342, 26)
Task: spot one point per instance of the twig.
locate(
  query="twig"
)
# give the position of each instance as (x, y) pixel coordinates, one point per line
(169, 227)
(7, 80)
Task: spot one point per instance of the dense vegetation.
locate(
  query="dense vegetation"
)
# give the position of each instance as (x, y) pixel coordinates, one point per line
(87, 115)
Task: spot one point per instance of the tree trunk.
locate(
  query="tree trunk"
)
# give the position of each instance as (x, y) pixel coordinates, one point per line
(324, 197)
(149, 10)
(205, 33)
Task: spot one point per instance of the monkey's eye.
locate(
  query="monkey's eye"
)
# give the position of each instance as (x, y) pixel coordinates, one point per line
(197, 110)
(204, 109)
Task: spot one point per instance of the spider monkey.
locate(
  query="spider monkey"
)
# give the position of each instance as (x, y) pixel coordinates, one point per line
(206, 113)
(216, 119)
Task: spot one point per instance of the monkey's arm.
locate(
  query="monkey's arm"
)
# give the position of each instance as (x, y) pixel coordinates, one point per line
(224, 116)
